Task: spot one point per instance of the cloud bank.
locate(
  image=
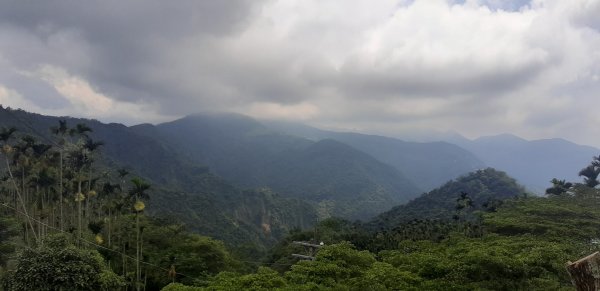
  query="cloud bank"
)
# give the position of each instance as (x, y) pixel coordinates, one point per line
(475, 67)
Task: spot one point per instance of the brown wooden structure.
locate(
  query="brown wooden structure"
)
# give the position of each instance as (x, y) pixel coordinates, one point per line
(585, 272)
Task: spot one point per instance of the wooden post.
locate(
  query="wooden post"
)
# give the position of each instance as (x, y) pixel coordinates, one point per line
(585, 273)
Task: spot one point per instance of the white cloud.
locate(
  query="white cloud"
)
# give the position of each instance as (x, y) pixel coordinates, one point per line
(85, 100)
(478, 66)
(12, 98)
(268, 110)
(77, 91)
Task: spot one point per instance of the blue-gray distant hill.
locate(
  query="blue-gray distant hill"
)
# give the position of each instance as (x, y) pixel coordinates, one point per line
(427, 164)
(533, 163)
(338, 179)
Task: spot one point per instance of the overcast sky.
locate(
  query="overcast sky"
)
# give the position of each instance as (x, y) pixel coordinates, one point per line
(475, 67)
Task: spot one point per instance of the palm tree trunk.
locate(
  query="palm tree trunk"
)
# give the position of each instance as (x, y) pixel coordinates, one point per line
(79, 230)
(21, 199)
(137, 253)
(15, 202)
(60, 192)
(24, 191)
(41, 213)
(141, 257)
(89, 188)
(109, 226)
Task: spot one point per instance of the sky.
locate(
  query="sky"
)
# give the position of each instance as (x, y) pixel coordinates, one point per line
(475, 67)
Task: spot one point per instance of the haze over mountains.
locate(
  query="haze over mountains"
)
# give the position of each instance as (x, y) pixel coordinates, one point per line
(240, 179)
(427, 164)
(533, 163)
(341, 180)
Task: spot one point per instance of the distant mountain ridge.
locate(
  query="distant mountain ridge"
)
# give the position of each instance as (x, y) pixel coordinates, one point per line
(340, 180)
(427, 164)
(533, 163)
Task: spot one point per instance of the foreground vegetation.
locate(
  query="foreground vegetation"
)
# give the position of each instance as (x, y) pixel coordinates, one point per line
(524, 246)
(522, 243)
(68, 222)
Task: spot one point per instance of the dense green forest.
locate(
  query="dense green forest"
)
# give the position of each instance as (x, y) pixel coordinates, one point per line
(222, 162)
(71, 221)
(523, 244)
(484, 189)
(181, 190)
(338, 179)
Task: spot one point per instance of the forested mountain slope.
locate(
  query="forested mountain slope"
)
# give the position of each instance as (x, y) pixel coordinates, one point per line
(191, 163)
(482, 187)
(427, 164)
(182, 189)
(339, 179)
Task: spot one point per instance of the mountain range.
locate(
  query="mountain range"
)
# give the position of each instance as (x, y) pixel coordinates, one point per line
(338, 179)
(427, 164)
(533, 163)
(249, 181)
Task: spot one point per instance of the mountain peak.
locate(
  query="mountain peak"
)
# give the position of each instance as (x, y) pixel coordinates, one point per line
(217, 122)
(504, 138)
(218, 114)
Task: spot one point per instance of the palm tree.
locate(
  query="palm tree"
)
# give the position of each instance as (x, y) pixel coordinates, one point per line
(44, 180)
(591, 172)
(559, 187)
(61, 131)
(33, 159)
(106, 194)
(80, 129)
(90, 147)
(80, 159)
(5, 135)
(137, 193)
(122, 174)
